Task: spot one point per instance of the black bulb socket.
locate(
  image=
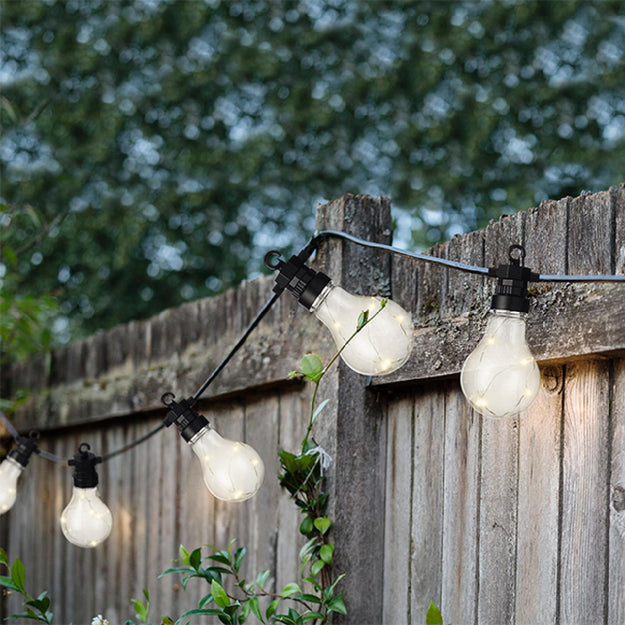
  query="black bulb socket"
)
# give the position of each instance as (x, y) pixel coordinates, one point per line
(23, 450)
(85, 475)
(181, 413)
(295, 276)
(512, 279)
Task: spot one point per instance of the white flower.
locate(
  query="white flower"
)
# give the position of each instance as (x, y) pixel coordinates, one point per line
(99, 620)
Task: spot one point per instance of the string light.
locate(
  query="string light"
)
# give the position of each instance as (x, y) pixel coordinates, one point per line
(12, 467)
(232, 470)
(381, 347)
(86, 521)
(499, 378)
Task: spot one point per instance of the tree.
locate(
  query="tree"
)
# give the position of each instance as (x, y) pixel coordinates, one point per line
(167, 145)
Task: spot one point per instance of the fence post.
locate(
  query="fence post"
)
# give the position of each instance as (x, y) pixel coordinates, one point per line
(352, 429)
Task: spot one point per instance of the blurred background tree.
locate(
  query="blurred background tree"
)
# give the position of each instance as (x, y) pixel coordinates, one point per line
(153, 150)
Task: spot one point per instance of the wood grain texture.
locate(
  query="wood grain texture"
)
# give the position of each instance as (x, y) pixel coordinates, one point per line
(460, 509)
(441, 506)
(359, 430)
(538, 504)
(398, 511)
(499, 475)
(584, 494)
(616, 564)
(427, 501)
(294, 412)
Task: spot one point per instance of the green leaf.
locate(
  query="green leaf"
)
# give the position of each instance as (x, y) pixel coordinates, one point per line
(177, 569)
(309, 547)
(39, 604)
(272, 607)
(323, 524)
(433, 616)
(204, 600)
(290, 589)
(362, 320)
(326, 553)
(238, 558)
(314, 583)
(7, 582)
(140, 609)
(245, 612)
(167, 621)
(312, 367)
(316, 567)
(262, 578)
(311, 616)
(255, 607)
(195, 558)
(318, 410)
(4, 558)
(329, 591)
(308, 597)
(219, 594)
(29, 614)
(221, 557)
(337, 605)
(18, 575)
(306, 526)
(184, 554)
(213, 611)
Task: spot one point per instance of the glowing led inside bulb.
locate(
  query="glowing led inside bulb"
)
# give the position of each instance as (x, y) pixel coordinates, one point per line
(86, 521)
(232, 471)
(10, 470)
(500, 377)
(381, 346)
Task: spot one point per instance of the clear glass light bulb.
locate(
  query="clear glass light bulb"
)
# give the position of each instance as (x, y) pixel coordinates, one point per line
(233, 471)
(500, 377)
(382, 346)
(10, 470)
(86, 520)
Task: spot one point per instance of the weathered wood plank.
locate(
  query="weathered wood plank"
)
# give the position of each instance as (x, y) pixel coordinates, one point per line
(195, 520)
(460, 509)
(398, 510)
(499, 475)
(540, 440)
(616, 580)
(294, 412)
(590, 233)
(167, 497)
(261, 432)
(359, 434)
(584, 494)
(427, 501)
(618, 197)
(538, 501)
(431, 293)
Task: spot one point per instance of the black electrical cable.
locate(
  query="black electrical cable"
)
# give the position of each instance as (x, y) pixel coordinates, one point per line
(456, 265)
(304, 254)
(9, 426)
(209, 380)
(132, 444)
(399, 252)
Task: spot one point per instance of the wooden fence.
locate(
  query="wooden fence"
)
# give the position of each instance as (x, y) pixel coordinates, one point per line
(518, 521)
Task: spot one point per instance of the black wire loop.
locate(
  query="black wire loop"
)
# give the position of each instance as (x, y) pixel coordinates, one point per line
(273, 254)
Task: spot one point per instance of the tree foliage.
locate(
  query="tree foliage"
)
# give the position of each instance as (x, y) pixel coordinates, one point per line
(166, 145)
